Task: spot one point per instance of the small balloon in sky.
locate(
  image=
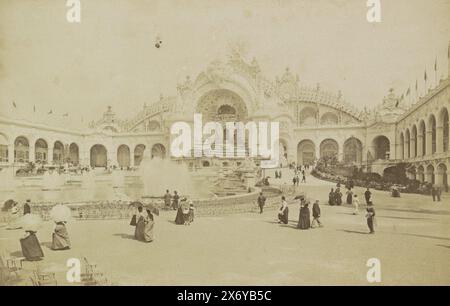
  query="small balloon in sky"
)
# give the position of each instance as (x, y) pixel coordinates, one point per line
(158, 42)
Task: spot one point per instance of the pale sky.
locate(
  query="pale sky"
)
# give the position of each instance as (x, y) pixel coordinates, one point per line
(110, 58)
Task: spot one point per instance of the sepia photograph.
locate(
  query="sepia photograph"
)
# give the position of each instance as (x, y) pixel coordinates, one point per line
(217, 143)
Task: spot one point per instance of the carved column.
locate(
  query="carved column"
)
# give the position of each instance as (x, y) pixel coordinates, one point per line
(11, 154)
(50, 155)
(31, 153)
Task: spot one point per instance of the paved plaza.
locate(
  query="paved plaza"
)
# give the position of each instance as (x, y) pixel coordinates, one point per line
(412, 242)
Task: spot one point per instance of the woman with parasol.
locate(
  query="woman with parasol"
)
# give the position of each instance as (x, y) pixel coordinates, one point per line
(31, 248)
(60, 238)
(14, 216)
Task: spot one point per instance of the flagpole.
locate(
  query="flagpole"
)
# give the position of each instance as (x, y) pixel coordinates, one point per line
(425, 77)
(435, 72)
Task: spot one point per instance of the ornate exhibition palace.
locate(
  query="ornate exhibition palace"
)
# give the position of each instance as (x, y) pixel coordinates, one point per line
(313, 123)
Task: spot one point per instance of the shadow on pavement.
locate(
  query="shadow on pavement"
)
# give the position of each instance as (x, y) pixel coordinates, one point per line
(426, 236)
(354, 232)
(125, 236)
(443, 246)
(403, 218)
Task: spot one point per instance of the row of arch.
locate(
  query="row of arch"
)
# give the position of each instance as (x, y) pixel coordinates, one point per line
(41, 151)
(71, 153)
(310, 116)
(124, 154)
(430, 174)
(428, 137)
(352, 150)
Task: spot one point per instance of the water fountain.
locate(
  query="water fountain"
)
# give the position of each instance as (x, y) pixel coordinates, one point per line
(8, 184)
(7, 179)
(158, 174)
(88, 184)
(52, 181)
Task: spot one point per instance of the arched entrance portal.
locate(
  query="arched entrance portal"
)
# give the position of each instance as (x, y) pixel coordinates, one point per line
(222, 105)
(21, 150)
(138, 154)
(306, 152)
(421, 174)
(329, 148)
(352, 150)
(158, 151)
(74, 153)
(40, 151)
(422, 138)
(381, 146)
(58, 153)
(99, 156)
(123, 156)
(445, 129)
(441, 176)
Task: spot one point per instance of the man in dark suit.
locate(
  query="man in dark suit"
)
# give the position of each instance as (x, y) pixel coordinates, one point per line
(27, 207)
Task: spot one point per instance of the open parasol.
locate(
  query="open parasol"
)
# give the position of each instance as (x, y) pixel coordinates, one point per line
(153, 209)
(8, 205)
(136, 204)
(301, 196)
(30, 222)
(60, 213)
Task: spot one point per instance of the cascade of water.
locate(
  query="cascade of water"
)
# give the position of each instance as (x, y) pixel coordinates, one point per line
(52, 181)
(157, 175)
(7, 179)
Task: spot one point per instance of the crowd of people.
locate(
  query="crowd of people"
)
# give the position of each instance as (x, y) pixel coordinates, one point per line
(304, 220)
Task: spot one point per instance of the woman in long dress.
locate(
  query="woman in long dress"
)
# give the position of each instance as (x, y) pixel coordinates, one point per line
(338, 196)
(355, 205)
(179, 219)
(331, 198)
(31, 248)
(60, 239)
(144, 227)
(304, 221)
(283, 213)
(140, 224)
(349, 196)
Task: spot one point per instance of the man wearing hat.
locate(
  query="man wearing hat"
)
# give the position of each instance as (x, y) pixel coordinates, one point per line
(27, 207)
